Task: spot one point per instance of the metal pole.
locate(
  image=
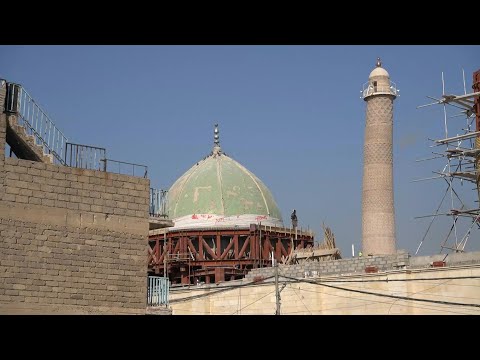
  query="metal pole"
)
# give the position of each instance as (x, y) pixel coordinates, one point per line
(260, 243)
(277, 293)
(165, 255)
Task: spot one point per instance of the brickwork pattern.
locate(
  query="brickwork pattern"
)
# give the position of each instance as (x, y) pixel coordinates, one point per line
(3, 136)
(379, 110)
(342, 266)
(54, 265)
(71, 240)
(37, 183)
(378, 214)
(377, 153)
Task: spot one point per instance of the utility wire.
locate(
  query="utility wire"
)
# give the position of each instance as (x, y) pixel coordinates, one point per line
(227, 288)
(223, 289)
(374, 302)
(370, 303)
(269, 293)
(300, 299)
(387, 295)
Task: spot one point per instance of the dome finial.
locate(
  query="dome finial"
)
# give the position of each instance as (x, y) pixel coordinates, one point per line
(216, 137)
(379, 62)
(216, 140)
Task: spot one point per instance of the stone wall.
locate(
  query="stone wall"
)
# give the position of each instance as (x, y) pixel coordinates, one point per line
(441, 291)
(344, 287)
(71, 240)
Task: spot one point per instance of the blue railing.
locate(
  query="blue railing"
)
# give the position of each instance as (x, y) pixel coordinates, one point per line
(157, 292)
(36, 122)
(85, 156)
(158, 203)
(126, 168)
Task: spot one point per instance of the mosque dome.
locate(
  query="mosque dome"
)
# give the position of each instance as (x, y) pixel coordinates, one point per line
(219, 191)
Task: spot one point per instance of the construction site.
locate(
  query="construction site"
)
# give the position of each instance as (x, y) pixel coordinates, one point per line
(82, 233)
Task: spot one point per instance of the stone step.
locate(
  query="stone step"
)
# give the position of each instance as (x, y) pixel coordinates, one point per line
(30, 140)
(48, 158)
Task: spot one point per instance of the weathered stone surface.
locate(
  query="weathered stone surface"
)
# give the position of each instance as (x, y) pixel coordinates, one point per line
(57, 240)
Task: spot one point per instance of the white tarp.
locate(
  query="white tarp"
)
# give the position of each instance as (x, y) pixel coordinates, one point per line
(209, 220)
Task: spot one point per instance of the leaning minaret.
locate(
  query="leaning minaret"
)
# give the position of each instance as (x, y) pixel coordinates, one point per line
(378, 214)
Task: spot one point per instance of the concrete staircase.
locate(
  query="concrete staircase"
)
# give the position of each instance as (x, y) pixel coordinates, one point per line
(23, 144)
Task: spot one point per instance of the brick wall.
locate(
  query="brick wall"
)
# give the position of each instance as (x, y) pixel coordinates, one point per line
(61, 187)
(71, 240)
(357, 265)
(3, 130)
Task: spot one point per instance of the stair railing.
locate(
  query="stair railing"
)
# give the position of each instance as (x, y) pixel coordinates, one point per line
(36, 122)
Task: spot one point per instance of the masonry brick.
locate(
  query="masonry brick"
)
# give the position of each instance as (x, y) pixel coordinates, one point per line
(71, 191)
(48, 202)
(21, 199)
(45, 260)
(9, 197)
(59, 176)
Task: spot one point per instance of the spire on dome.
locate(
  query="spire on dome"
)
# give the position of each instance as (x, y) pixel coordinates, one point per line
(216, 140)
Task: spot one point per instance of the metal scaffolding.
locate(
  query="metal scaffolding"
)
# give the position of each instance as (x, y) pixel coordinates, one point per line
(460, 155)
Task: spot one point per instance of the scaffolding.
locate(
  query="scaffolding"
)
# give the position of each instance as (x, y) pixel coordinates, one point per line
(460, 157)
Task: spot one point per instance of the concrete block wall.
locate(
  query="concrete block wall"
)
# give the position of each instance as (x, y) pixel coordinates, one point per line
(342, 266)
(3, 129)
(62, 187)
(357, 265)
(71, 240)
(62, 269)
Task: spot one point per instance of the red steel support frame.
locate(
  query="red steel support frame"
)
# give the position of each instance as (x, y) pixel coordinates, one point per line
(222, 254)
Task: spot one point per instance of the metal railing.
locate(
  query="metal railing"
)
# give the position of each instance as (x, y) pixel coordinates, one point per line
(85, 156)
(370, 89)
(95, 158)
(125, 168)
(36, 122)
(158, 203)
(157, 291)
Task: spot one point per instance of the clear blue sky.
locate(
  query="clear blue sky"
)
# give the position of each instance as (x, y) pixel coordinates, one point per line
(290, 114)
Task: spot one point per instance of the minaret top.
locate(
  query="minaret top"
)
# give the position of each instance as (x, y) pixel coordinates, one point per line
(378, 83)
(216, 141)
(379, 70)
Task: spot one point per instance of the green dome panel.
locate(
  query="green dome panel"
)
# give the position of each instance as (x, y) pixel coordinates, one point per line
(221, 187)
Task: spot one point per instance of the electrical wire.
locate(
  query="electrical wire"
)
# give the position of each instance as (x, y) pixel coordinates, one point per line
(417, 292)
(223, 289)
(387, 295)
(436, 284)
(291, 287)
(374, 302)
(269, 293)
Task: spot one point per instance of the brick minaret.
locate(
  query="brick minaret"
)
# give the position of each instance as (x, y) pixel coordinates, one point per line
(378, 213)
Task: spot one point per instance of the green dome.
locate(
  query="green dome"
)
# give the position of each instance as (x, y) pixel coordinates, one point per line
(220, 191)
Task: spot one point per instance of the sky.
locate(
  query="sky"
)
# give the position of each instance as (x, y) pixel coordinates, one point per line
(290, 114)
